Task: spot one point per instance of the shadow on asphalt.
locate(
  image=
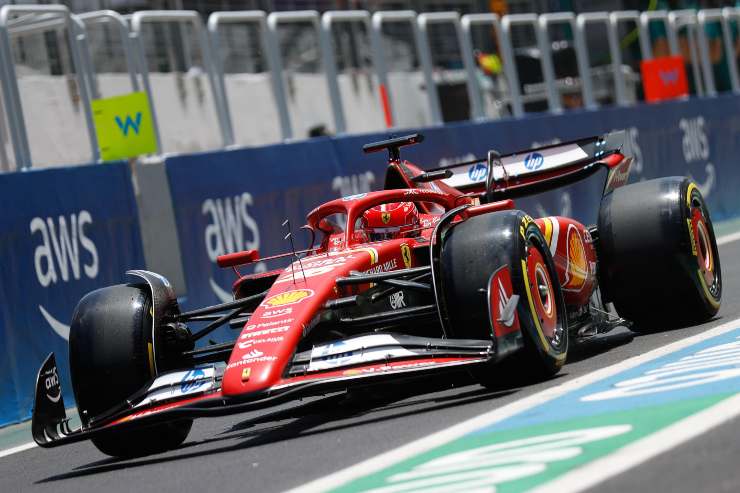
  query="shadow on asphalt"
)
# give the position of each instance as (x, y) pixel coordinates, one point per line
(372, 404)
(593, 347)
(672, 326)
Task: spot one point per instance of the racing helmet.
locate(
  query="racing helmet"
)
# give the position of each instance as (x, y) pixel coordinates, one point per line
(389, 221)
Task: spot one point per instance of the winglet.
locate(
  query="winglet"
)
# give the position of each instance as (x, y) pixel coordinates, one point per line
(48, 408)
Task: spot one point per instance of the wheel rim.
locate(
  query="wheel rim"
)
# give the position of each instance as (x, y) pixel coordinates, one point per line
(704, 247)
(706, 261)
(543, 295)
(544, 288)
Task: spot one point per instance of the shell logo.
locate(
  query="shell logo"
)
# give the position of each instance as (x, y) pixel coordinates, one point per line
(287, 298)
(577, 270)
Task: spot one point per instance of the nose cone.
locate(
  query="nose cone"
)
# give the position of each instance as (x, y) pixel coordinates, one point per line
(265, 348)
(267, 342)
(261, 353)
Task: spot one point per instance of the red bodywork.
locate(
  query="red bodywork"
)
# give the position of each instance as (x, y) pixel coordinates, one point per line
(573, 251)
(268, 341)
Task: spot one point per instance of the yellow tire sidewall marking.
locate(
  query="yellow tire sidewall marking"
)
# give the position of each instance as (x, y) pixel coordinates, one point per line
(712, 301)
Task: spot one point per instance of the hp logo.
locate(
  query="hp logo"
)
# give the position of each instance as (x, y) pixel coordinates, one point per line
(478, 172)
(534, 161)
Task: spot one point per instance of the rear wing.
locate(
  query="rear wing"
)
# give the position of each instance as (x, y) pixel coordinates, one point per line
(543, 168)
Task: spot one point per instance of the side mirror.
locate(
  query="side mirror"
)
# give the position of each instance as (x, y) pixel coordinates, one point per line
(238, 258)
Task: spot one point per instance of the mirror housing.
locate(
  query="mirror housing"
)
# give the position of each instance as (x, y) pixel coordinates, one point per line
(238, 258)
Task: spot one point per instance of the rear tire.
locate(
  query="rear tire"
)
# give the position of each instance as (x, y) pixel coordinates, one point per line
(110, 359)
(472, 251)
(658, 256)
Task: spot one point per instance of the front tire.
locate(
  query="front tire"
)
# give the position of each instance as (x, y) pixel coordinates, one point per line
(472, 251)
(111, 357)
(658, 254)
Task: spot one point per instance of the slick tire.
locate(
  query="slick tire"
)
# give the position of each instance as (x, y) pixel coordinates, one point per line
(109, 358)
(658, 256)
(471, 253)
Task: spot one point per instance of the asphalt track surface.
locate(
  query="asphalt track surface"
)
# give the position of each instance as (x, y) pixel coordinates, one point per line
(288, 448)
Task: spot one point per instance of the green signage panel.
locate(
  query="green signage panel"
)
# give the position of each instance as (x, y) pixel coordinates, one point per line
(124, 126)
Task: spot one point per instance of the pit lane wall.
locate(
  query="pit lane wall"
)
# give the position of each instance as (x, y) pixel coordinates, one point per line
(64, 232)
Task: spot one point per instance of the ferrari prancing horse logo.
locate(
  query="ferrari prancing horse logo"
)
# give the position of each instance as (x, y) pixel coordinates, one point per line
(406, 255)
(385, 217)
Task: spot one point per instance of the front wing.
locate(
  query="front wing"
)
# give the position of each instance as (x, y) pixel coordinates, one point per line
(197, 392)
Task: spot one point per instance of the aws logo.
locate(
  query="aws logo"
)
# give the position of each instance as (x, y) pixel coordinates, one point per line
(231, 228)
(65, 253)
(51, 383)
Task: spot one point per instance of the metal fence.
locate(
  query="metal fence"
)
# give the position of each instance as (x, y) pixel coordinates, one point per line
(248, 78)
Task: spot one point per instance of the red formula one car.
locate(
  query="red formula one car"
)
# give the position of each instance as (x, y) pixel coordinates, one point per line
(438, 271)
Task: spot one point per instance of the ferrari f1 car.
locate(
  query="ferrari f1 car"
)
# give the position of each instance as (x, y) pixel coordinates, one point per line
(439, 271)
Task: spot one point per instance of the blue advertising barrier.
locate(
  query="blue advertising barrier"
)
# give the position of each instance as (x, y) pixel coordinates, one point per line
(63, 233)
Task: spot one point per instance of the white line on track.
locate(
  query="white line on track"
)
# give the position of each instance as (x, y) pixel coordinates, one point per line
(15, 450)
(422, 445)
(723, 240)
(516, 407)
(644, 449)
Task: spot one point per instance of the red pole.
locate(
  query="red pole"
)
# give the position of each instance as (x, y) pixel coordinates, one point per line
(386, 106)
